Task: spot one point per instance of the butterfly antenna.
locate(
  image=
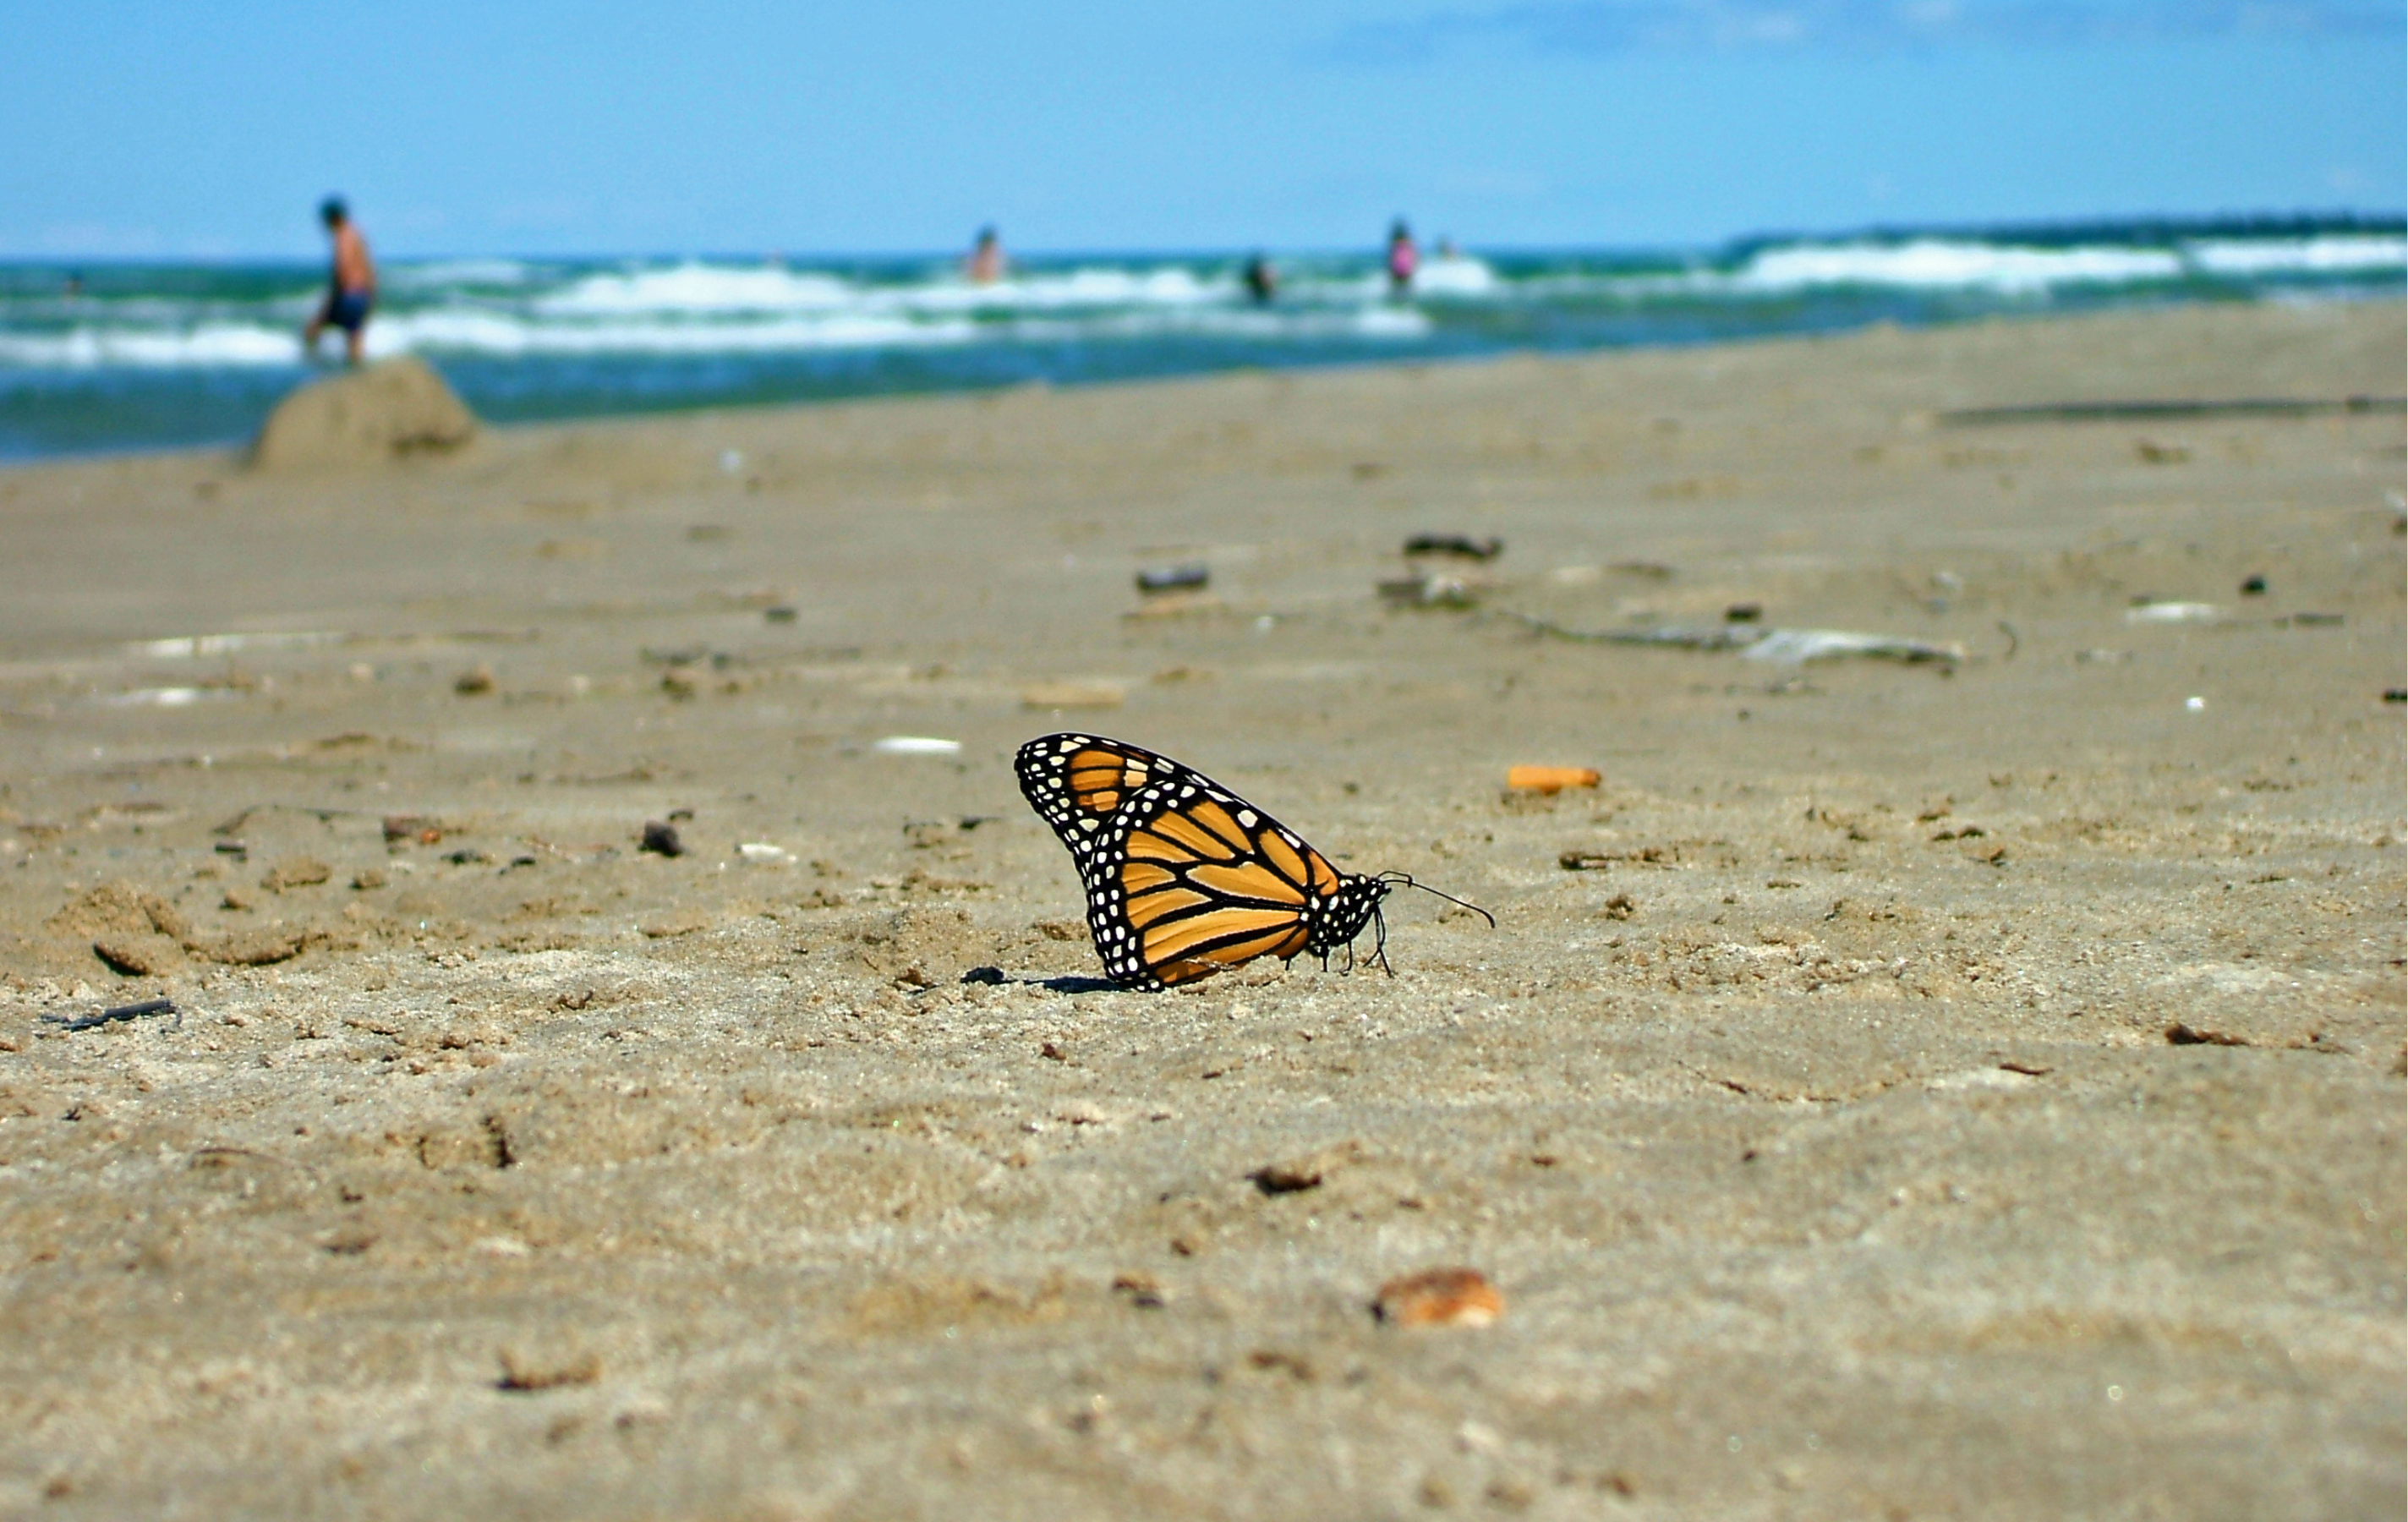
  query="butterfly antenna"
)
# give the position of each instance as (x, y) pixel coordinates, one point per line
(1405, 880)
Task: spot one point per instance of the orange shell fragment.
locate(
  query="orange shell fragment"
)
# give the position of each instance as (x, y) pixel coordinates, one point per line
(1440, 1298)
(1549, 779)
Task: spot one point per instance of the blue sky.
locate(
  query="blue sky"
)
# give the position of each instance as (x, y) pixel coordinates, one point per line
(172, 130)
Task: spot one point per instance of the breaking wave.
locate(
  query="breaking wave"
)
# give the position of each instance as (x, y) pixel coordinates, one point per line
(138, 355)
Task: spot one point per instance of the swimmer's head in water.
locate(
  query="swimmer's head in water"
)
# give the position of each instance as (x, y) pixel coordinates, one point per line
(333, 212)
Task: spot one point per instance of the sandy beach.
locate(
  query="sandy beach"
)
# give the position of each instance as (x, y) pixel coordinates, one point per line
(1965, 1087)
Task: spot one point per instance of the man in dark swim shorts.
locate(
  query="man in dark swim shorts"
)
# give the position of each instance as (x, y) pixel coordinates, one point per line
(350, 288)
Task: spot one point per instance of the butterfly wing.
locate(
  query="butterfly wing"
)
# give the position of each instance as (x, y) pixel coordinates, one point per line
(1183, 878)
(1199, 890)
(1078, 783)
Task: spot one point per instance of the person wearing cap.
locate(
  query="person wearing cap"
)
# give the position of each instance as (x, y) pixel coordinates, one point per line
(351, 286)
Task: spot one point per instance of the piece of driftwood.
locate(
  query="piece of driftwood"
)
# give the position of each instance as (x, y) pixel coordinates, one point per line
(1781, 647)
(123, 1012)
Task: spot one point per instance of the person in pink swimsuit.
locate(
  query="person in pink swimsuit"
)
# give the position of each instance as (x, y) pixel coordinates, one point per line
(1403, 258)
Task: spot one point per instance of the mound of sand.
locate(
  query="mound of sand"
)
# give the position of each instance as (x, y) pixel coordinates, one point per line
(395, 407)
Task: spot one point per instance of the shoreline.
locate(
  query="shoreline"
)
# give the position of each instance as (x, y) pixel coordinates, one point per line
(230, 455)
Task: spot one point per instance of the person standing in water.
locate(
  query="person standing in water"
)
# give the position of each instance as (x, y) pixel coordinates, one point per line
(351, 286)
(1403, 258)
(1262, 280)
(986, 265)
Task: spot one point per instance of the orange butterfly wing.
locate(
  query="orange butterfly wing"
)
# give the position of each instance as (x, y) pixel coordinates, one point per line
(1183, 878)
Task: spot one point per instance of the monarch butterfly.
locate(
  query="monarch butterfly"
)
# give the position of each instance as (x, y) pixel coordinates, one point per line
(1185, 878)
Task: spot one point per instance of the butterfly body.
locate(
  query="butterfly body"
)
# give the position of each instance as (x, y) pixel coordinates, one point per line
(1185, 878)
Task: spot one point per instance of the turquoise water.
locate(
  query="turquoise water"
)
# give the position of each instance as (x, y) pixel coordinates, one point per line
(148, 356)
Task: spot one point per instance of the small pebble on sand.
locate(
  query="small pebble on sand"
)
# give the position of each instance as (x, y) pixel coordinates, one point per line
(1440, 1298)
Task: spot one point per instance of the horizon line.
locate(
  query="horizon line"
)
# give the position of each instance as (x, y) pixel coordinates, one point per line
(2261, 222)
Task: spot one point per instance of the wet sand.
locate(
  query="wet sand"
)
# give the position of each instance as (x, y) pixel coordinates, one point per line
(1966, 1088)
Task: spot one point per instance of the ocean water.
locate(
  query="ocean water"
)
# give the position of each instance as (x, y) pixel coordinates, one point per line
(148, 356)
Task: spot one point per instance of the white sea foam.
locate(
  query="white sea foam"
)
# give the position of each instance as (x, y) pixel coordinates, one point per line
(700, 288)
(1389, 323)
(496, 335)
(502, 334)
(230, 345)
(1461, 276)
(696, 289)
(1092, 287)
(1937, 263)
(2338, 254)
